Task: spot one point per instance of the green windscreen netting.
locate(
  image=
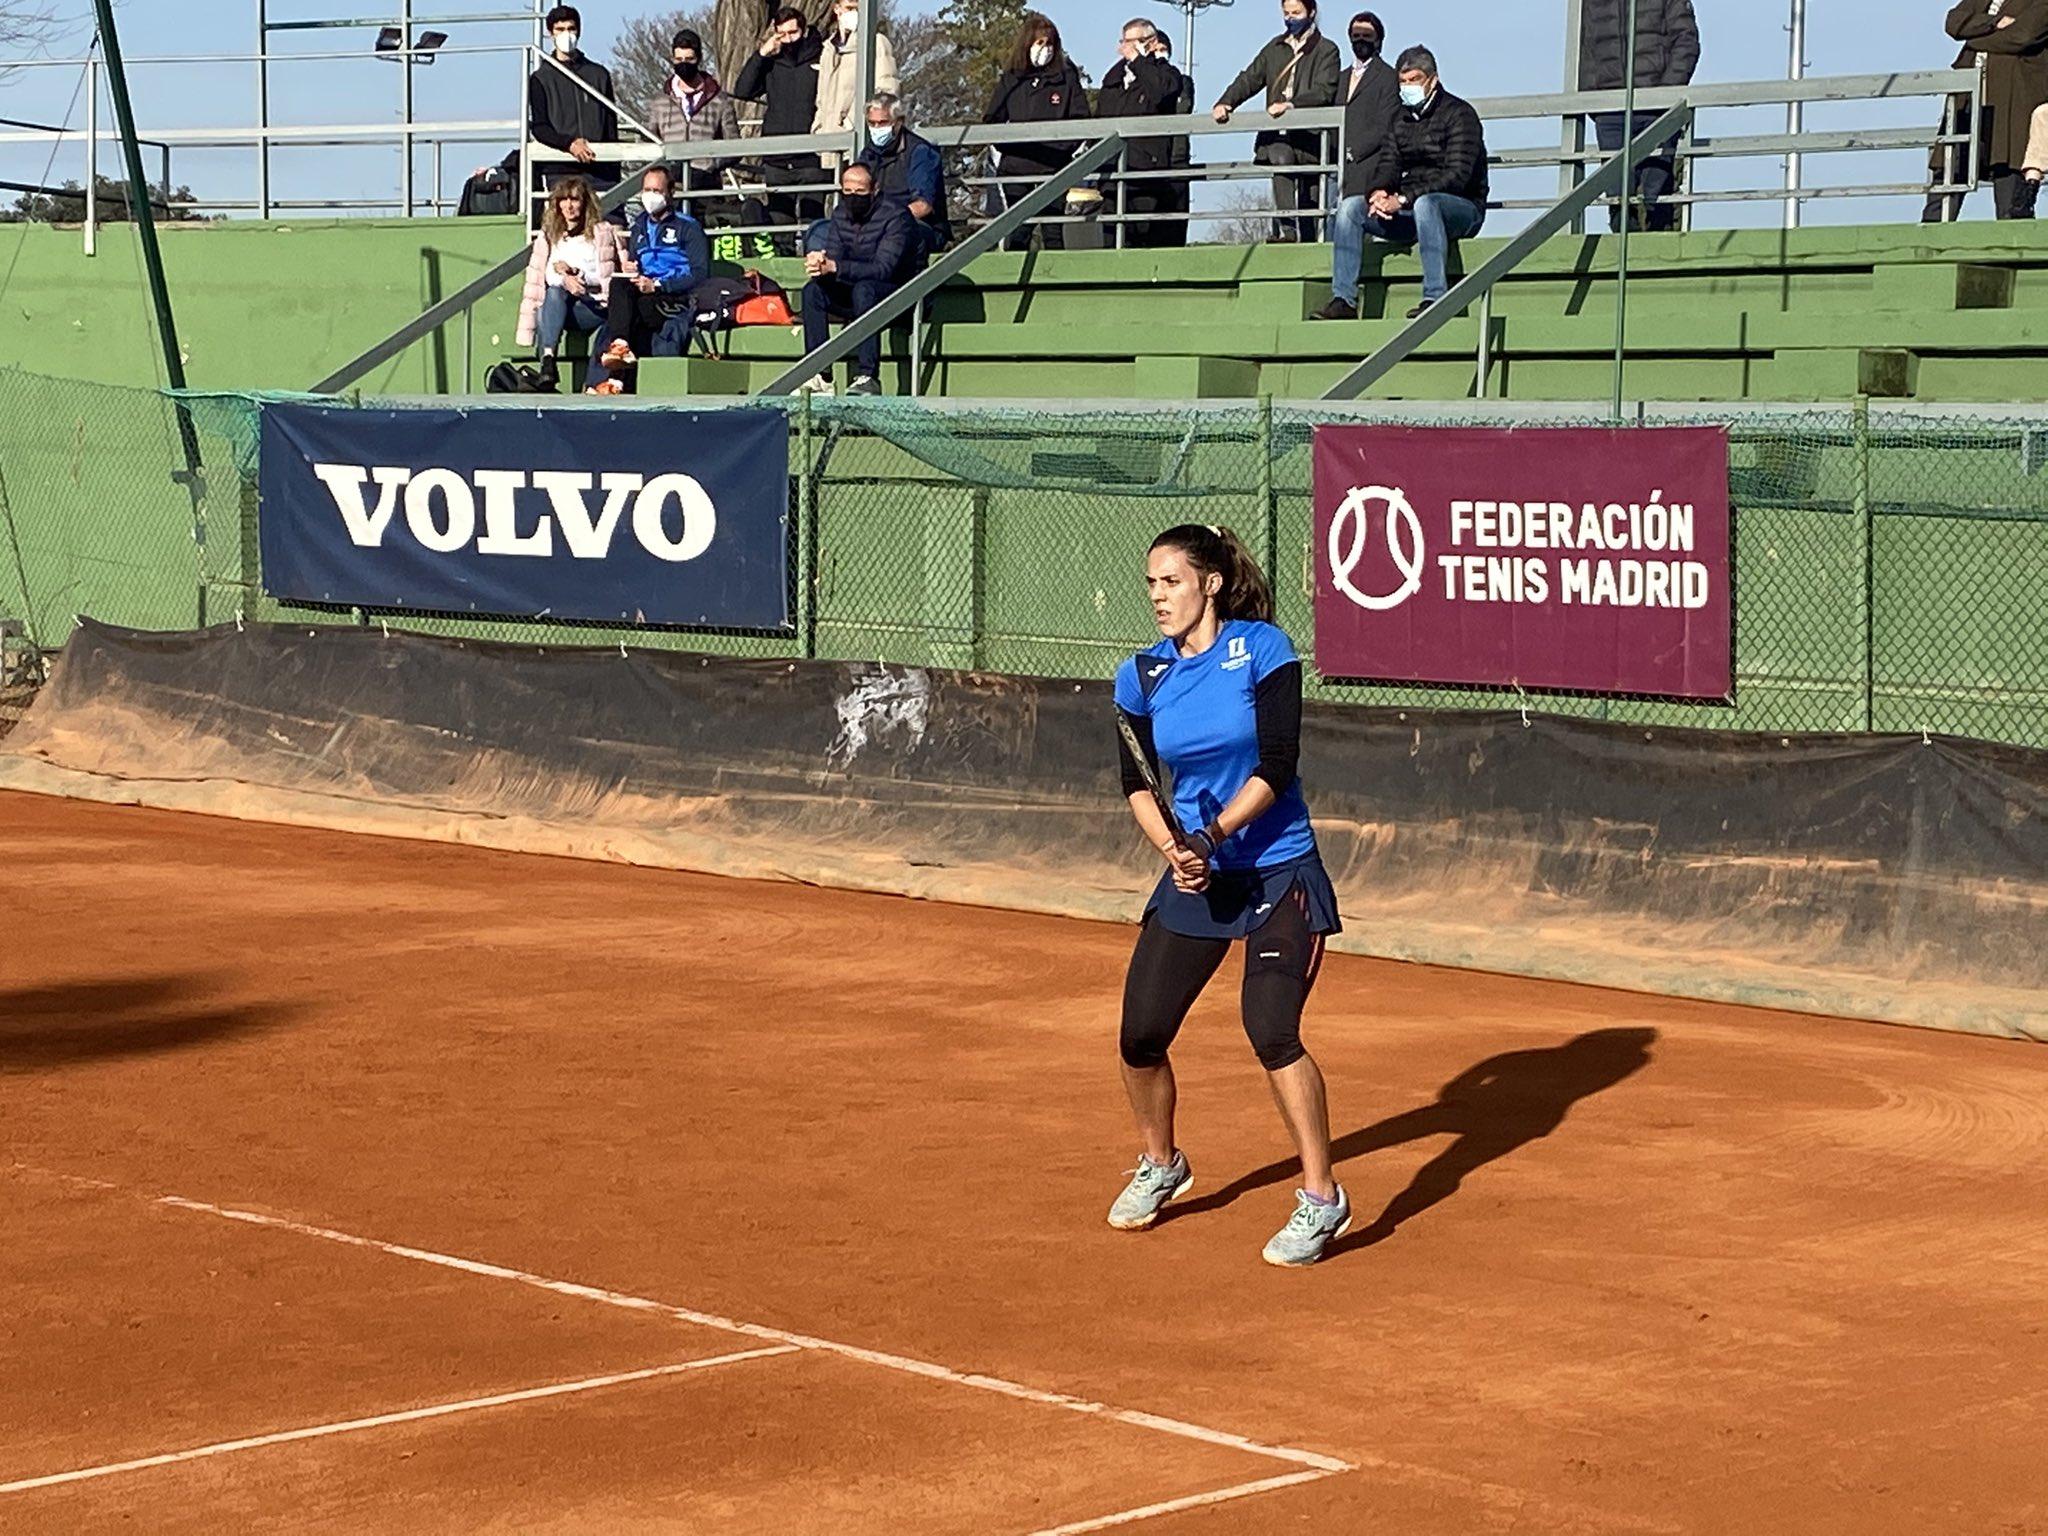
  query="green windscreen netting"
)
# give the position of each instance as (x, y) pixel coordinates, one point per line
(1889, 569)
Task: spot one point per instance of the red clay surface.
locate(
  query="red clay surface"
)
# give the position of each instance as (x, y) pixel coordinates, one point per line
(1648, 1265)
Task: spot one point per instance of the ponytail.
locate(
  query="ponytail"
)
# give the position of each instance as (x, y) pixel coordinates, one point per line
(1215, 548)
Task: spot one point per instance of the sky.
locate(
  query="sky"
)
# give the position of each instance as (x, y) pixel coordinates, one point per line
(1485, 47)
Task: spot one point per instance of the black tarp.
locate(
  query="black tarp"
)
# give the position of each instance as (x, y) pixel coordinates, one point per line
(1901, 878)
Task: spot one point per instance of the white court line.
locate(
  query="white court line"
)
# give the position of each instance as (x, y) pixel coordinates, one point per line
(410, 1415)
(1191, 1501)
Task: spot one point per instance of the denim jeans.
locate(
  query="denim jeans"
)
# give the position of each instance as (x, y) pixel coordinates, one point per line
(833, 298)
(1436, 220)
(559, 311)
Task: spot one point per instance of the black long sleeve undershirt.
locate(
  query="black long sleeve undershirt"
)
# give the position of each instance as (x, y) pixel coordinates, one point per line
(1276, 709)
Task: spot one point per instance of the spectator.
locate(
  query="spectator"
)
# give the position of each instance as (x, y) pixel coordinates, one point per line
(1372, 100)
(1141, 84)
(693, 108)
(574, 258)
(860, 250)
(2012, 35)
(1434, 190)
(783, 72)
(666, 256)
(838, 66)
(2035, 166)
(1039, 85)
(1667, 52)
(1299, 68)
(909, 174)
(1174, 231)
(560, 112)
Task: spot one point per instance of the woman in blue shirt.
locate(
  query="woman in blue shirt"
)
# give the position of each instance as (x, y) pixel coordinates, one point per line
(1218, 702)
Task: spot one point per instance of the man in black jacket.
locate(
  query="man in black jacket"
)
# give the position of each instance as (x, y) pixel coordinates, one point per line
(1434, 191)
(783, 72)
(560, 113)
(1667, 52)
(855, 265)
(1141, 84)
(1372, 98)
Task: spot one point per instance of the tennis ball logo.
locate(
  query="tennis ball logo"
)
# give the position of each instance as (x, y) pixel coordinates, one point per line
(1349, 529)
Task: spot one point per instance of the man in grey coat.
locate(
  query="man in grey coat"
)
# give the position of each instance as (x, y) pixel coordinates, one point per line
(1667, 53)
(692, 107)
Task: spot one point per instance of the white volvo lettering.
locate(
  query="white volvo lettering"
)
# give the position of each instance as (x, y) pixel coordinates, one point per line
(501, 534)
(700, 518)
(458, 501)
(344, 483)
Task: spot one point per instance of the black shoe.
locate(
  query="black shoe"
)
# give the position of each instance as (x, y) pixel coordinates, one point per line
(549, 375)
(1416, 312)
(1336, 309)
(2024, 197)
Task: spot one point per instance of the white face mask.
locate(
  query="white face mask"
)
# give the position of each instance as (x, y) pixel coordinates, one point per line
(565, 42)
(656, 203)
(1041, 54)
(848, 21)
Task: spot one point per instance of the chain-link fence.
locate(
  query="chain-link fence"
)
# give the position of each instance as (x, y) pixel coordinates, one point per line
(1889, 569)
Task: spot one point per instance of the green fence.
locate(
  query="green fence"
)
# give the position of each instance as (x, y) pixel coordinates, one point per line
(1891, 573)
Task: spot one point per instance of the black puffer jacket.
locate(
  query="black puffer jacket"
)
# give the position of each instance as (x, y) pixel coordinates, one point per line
(788, 81)
(1049, 95)
(1441, 148)
(1667, 44)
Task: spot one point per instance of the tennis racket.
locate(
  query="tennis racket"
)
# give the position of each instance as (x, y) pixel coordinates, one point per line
(1151, 777)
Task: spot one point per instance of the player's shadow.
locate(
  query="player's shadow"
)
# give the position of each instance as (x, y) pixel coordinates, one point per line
(1489, 1110)
(49, 1027)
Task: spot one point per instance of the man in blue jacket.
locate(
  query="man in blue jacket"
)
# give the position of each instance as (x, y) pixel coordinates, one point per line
(856, 260)
(909, 174)
(667, 255)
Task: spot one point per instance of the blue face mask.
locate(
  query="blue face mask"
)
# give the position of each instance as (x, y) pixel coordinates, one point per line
(1296, 25)
(1413, 95)
(882, 137)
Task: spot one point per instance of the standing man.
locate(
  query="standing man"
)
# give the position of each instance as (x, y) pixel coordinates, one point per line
(783, 72)
(1372, 99)
(1438, 189)
(910, 174)
(561, 113)
(2012, 36)
(693, 107)
(1667, 52)
(1141, 84)
(860, 253)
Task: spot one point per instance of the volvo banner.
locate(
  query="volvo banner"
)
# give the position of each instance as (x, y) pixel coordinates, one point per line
(641, 517)
(1536, 557)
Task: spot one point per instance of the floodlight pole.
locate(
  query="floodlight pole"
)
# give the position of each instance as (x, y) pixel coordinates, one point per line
(138, 196)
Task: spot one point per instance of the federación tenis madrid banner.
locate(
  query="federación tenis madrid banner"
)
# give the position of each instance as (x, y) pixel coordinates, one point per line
(646, 517)
(1543, 557)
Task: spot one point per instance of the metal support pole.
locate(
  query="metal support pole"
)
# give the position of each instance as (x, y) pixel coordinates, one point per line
(1795, 111)
(527, 57)
(1269, 503)
(807, 535)
(434, 208)
(263, 109)
(1867, 590)
(1572, 129)
(406, 108)
(92, 156)
(916, 350)
(1629, 156)
(1483, 389)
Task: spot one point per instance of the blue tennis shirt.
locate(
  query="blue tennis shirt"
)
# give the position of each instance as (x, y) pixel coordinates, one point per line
(1205, 730)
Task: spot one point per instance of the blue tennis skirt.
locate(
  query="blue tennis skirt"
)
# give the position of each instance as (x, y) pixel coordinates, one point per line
(1239, 901)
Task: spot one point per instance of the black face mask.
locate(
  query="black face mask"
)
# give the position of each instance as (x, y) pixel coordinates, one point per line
(858, 205)
(1367, 48)
(688, 73)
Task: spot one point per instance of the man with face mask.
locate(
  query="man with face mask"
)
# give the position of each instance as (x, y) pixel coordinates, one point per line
(783, 72)
(1372, 97)
(1141, 84)
(858, 255)
(666, 256)
(1433, 190)
(560, 113)
(909, 174)
(693, 107)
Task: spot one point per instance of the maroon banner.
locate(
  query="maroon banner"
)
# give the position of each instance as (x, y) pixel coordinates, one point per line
(1539, 557)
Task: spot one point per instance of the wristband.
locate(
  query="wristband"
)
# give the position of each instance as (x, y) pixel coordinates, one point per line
(1207, 841)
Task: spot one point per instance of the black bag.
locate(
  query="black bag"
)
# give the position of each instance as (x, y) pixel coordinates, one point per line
(515, 379)
(491, 189)
(720, 303)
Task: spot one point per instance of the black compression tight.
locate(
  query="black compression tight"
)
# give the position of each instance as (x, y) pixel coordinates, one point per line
(1169, 970)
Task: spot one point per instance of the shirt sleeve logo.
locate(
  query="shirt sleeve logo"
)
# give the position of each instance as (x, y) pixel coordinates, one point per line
(1237, 654)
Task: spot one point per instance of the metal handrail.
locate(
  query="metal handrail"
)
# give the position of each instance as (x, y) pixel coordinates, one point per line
(1478, 283)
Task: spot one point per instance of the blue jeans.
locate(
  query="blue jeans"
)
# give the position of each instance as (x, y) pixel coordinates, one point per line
(559, 311)
(1436, 220)
(832, 297)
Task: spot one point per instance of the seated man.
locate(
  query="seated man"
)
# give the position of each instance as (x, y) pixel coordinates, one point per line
(910, 175)
(666, 256)
(1437, 193)
(855, 262)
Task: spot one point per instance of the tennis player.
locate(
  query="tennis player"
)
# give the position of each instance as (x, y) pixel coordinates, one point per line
(1218, 701)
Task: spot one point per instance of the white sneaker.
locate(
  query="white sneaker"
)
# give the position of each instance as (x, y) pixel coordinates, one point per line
(816, 385)
(866, 384)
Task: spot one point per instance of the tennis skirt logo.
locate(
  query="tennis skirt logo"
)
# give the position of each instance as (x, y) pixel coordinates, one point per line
(443, 515)
(1350, 529)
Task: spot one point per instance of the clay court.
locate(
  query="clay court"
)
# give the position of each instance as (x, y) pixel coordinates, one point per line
(381, 1185)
